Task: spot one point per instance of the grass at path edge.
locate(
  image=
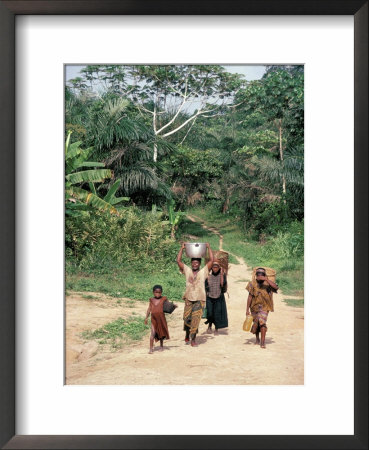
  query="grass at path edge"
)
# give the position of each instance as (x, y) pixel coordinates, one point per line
(290, 271)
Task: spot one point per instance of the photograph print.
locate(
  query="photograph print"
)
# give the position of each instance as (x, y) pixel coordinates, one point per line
(184, 224)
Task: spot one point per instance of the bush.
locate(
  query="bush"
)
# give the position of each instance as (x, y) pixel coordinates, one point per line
(288, 244)
(266, 218)
(103, 242)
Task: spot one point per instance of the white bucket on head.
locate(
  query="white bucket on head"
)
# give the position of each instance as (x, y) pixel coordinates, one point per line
(195, 249)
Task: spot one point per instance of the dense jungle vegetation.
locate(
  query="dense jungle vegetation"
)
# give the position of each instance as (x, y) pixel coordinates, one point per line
(147, 144)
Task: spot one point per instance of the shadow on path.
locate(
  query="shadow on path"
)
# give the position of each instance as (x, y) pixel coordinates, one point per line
(202, 339)
(251, 341)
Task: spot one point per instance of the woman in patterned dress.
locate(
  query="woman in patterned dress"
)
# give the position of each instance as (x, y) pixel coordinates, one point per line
(260, 302)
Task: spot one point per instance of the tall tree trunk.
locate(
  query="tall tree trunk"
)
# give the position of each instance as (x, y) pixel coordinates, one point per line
(226, 201)
(281, 156)
(156, 133)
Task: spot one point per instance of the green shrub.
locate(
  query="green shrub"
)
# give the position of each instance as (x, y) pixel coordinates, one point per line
(296, 303)
(283, 252)
(288, 244)
(102, 242)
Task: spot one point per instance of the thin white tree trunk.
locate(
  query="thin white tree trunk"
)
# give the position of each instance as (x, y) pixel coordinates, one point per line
(155, 157)
(281, 156)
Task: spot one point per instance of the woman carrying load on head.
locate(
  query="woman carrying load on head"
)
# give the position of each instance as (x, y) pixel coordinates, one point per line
(216, 308)
(194, 295)
(260, 302)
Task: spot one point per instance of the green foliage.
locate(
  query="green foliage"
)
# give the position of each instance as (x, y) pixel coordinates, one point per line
(273, 170)
(231, 157)
(133, 280)
(193, 172)
(277, 101)
(188, 163)
(259, 143)
(78, 132)
(231, 154)
(109, 125)
(271, 253)
(277, 95)
(109, 240)
(118, 331)
(79, 200)
(122, 140)
(295, 302)
(265, 217)
(163, 95)
(88, 176)
(174, 216)
(287, 245)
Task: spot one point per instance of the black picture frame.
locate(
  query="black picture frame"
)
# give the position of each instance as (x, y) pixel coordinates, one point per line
(8, 12)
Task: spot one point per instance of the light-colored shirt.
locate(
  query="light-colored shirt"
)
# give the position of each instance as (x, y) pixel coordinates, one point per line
(195, 283)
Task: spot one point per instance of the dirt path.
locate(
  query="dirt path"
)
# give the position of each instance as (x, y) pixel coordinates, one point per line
(230, 358)
(212, 229)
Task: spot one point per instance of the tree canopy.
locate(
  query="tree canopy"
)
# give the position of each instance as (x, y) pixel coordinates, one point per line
(194, 133)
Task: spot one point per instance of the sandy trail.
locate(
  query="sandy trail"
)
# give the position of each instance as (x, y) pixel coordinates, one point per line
(212, 229)
(227, 359)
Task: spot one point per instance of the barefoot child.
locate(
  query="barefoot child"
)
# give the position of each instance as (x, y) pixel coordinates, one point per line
(159, 327)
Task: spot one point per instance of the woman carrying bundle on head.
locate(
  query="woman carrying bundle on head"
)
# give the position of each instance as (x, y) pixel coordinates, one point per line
(260, 302)
(216, 308)
(195, 294)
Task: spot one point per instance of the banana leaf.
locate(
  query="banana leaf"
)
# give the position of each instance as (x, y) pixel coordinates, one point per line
(95, 176)
(91, 199)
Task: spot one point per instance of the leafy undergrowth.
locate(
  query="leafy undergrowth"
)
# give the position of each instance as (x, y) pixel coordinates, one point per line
(118, 332)
(283, 252)
(297, 303)
(136, 279)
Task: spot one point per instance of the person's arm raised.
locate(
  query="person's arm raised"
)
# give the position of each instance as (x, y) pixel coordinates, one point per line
(271, 283)
(211, 256)
(222, 276)
(179, 258)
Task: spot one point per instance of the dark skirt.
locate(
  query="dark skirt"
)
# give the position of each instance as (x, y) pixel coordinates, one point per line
(216, 309)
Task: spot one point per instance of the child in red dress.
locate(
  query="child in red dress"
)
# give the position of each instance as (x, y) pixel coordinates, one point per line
(159, 327)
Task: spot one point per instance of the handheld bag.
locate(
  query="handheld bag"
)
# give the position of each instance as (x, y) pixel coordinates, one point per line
(247, 323)
(168, 307)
